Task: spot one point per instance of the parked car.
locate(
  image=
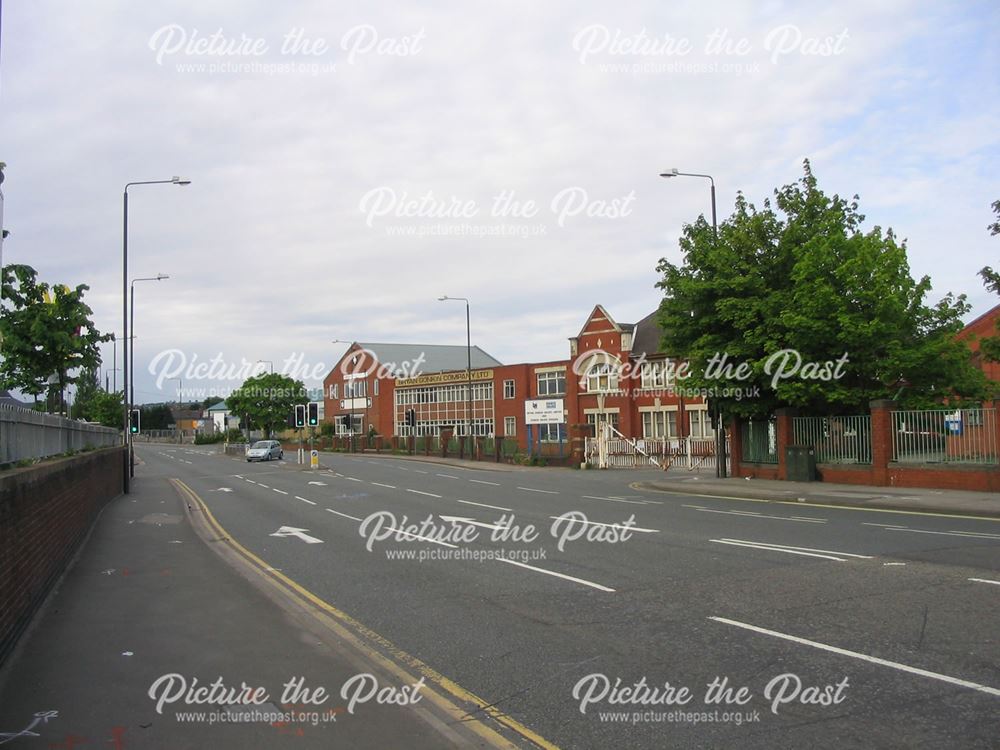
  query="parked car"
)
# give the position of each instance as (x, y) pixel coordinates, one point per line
(265, 450)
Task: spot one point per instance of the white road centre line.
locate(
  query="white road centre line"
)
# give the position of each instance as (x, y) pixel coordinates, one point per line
(864, 657)
(484, 505)
(532, 489)
(380, 484)
(965, 534)
(483, 481)
(265, 486)
(446, 476)
(420, 472)
(338, 513)
(352, 479)
(609, 525)
(985, 580)
(800, 519)
(282, 492)
(304, 500)
(613, 500)
(883, 525)
(557, 575)
(250, 480)
(419, 492)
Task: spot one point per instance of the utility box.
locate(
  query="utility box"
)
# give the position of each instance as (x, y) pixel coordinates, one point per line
(800, 463)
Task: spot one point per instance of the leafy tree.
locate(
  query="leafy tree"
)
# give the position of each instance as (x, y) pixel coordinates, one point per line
(803, 276)
(268, 400)
(995, 226)
(46, 333)
(155, 417)
(990, 347)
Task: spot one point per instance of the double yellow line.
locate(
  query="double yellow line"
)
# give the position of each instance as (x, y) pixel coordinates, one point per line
(373, 646)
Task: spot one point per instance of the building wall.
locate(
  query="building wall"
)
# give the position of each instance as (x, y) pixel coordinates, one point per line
(983, 327)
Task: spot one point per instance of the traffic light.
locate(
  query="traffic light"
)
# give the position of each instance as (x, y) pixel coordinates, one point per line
(411, 417)
(313, 414)
(300, 415)
(133, 421)
(346, 421)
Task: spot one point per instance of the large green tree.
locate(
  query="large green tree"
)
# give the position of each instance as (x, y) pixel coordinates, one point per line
(47, 338)
(268, 400)
(990, 347)
(802, 276)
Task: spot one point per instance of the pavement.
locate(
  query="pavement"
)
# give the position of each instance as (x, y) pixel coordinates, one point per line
(984, 504)
(148, 611)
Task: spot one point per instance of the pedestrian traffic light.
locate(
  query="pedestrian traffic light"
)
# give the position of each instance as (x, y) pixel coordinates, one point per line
(346, 421)
(133, 421)
(411, 417)
(313, 414)
(300, 415)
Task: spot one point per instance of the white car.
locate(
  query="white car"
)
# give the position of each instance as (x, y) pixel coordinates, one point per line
(265, 450)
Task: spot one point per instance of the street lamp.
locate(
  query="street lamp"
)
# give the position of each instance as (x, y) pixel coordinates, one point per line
(720, 435)
(468, 349)
(128, 406)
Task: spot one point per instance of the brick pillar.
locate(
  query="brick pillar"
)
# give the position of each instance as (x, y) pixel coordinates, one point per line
(785, 436)
(881, 439)
(735, 447)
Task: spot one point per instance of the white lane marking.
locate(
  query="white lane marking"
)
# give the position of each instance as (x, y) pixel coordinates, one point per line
(279, 491)
(446, 476)
(532, 489)
(390, 486)
(613, 499)
(402, 468)
(966, 534)
(863, 657)
(352, 479)
(557, 575)
(472, 522)
(318, 484)
(238, 476)
(418, 492)
(892, 563)
(883, 525)
(607, 525)
(419, 471)
(265, 486)
(337, 512)
(985, 580)
(754, 514)
(483, 481)
(485, 505)
(806, 551)
(251, 481)
(304, 500)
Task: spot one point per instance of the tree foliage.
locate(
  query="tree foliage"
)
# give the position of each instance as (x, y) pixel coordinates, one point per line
(990, 347)
(46, 333)
(268, 400)
(803, 276)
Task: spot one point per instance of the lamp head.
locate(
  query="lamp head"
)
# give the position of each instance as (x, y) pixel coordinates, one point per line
(178, 181)
(672, 172)
(443, 298)
(162, 276)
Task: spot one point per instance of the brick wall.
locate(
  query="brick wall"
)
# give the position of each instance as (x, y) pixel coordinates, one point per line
(45, 512)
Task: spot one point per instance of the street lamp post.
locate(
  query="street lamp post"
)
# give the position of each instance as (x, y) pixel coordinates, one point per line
(720, 433)
(468, 351)
(128, 404)
(131, 354)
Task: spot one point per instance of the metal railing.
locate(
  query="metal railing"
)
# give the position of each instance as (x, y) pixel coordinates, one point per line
(759, 441)
(944, 436)
(27, 434)
(693, 454)
(836, 440)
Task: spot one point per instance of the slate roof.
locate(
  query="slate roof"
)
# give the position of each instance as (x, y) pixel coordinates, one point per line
(423, 359)
(647, 337)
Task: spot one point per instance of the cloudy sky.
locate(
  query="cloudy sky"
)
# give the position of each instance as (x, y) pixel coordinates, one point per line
(352, 162)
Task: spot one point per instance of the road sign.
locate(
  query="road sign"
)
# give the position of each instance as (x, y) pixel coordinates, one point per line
(314, 459)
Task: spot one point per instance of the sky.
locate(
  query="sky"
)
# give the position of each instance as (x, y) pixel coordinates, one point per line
(351, 163)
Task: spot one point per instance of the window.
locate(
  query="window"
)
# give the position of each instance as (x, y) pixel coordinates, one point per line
(551, 433)
(657, 425)
(652, 375)
(355, 389)
(509, 426)
(610, 417)
(701, 424)
(333, 391)
(375, 387)
(602, 377)
(508, 389)
(552, 383)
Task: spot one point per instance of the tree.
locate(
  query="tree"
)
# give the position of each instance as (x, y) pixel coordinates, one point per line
(46, 333)
(268, 400)
(802, 278)
(990, 347)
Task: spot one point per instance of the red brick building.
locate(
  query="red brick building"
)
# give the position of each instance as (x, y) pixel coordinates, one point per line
(982, 327)
(614, 373)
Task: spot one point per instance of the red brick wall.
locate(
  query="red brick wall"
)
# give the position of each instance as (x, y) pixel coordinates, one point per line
(45, 512)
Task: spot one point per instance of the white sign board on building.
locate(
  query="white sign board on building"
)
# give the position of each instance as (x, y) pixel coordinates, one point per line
(544, 411)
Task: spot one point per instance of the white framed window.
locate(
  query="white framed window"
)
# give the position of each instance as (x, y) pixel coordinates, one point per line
(355, 389)
(652, 375)
(701, 423)
(333, 390)
(375, 387)
(551, 433)
(602, 377)
(508, 389)
(551, 383)
(510, 426)
(659, 424)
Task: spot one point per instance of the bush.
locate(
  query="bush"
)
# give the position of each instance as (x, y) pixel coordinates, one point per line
(203, 439)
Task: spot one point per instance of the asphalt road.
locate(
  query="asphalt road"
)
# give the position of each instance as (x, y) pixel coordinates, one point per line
(847, 628)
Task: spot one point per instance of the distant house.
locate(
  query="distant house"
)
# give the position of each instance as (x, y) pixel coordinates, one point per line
(218, 416)
(188, 422)
(982, 327)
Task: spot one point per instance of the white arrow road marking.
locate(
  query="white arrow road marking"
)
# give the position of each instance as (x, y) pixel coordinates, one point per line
(319, 484)
(300, 533)
(471, 522)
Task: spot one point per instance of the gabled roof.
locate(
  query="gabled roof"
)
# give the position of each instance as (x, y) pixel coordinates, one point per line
(221, 406)
(422, 359)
